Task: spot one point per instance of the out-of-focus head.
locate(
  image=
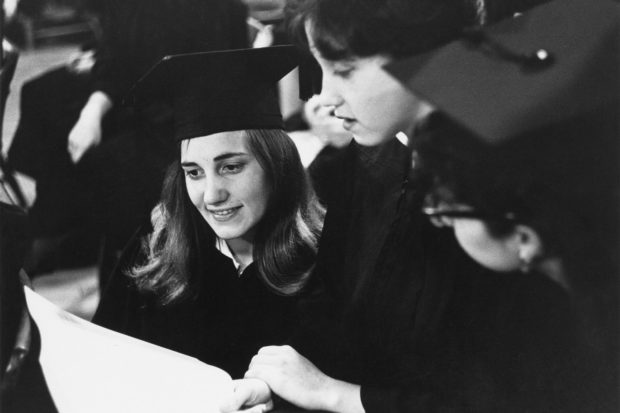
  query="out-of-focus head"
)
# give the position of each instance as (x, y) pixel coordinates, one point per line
(550, 194)
(526, 141)
(351, 40)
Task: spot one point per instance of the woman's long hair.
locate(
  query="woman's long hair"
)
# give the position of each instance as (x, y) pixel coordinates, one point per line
(286, 239)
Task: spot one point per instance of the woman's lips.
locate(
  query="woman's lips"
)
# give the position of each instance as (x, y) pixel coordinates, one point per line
(347, 123)
(223, 214)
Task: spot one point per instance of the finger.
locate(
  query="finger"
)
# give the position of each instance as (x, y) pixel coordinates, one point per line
(76, 155)
(270, 350)
(240, 397)
(73, 154)
(246, 392)
(268, 359)
(267, 374)
(259, 408)
(262, 367)
(277, 381)
(257, 373)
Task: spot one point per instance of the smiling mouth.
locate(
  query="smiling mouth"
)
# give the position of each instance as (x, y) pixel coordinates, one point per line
(223, 214)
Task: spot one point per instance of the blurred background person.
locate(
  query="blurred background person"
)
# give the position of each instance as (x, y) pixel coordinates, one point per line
(528, 177)
(125, 173)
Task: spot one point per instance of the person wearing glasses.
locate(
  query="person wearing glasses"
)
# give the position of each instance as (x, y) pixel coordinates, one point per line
(401, 319)
(528, 179)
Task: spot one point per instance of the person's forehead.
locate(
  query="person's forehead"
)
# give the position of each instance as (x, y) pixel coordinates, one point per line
(211, 146)
(310, 33)
(318, 38)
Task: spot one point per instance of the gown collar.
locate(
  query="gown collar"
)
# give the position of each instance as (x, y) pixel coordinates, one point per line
(223, 247)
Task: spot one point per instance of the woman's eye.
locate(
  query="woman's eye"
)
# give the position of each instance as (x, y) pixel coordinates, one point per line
(343, 72)
(193, 173)
(232, 168)
(342, 69)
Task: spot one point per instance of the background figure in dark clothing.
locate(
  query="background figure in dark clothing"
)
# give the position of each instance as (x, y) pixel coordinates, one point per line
(59, 220)
(402, 320)
(532, 184)
(125, 169)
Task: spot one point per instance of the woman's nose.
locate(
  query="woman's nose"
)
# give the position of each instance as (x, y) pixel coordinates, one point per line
(215, 191)
(329, 95)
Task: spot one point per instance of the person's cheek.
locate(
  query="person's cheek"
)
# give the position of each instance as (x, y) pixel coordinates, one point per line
(194, 193)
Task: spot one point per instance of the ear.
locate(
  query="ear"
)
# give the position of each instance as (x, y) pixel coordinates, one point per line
(529, 244)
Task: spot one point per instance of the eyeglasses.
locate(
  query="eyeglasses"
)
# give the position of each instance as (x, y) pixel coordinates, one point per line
(444, 215)
(457, 212)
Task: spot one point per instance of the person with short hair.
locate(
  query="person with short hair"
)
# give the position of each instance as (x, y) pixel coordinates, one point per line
(401, 319)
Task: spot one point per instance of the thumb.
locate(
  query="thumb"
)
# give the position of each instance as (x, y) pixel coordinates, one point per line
(247, 392)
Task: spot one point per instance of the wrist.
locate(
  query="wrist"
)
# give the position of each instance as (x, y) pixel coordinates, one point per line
(342, 397)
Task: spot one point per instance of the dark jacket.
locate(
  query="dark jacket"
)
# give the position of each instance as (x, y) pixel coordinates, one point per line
(399, 308)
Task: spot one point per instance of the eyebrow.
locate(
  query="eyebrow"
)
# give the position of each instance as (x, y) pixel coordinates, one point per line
(228, 155)
(218, 158)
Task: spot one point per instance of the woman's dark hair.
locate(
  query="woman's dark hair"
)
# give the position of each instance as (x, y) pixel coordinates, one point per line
(561, 180)
(286, 239)
(398, 28)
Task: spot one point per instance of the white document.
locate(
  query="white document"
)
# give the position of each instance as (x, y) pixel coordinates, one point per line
(91, 369)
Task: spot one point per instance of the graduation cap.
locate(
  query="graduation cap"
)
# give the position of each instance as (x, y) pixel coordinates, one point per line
(555, 62)
(219, 91)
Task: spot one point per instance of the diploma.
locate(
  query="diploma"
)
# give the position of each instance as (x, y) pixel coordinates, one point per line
(89, 368)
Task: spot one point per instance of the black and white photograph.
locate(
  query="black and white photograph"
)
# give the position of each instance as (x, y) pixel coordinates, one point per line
(289, 206)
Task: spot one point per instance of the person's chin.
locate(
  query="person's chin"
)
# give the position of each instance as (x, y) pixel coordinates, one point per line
(226, 234)
(370, 139)
(225, 231)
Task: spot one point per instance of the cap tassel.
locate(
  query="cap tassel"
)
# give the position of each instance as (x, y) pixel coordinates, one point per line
(537, 60)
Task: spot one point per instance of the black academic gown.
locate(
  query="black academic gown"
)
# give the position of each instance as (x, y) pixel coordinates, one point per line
(399, 308)
(224, 324)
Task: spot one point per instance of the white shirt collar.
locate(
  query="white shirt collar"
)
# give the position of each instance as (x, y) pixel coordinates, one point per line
(223, 247)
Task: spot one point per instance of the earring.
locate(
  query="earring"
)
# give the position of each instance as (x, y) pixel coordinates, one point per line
(525, 263)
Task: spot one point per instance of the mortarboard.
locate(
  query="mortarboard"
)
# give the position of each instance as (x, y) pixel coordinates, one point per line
(219, 91)
(555, 62)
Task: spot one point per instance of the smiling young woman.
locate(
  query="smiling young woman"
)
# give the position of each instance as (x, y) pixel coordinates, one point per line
(234, 236)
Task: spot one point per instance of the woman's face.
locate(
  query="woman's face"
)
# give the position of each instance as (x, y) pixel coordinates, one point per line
(498, 253)
(373, 106)
(225, 183)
